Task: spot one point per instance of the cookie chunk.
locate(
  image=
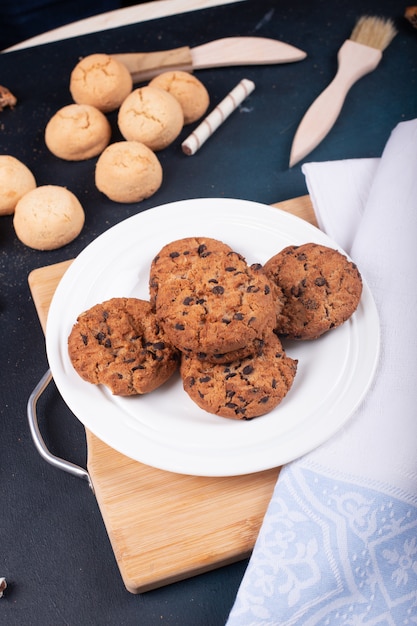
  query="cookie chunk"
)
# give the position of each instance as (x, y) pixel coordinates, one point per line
(100, 80)
(188, 90)
(152, 116)
(242, 389)
(16, 179)
(77, 132)
(321, 289)
(128, 171)
(213, 302)
(120, 344)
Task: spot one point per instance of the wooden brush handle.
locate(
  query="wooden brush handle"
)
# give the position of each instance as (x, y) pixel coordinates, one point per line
(354, 61)
(145, 65)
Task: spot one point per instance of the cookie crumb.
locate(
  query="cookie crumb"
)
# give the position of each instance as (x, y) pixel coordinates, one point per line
(7, 99)
(3, 586)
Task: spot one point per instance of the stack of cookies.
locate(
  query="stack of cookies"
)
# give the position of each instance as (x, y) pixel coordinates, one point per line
(219, 321)
(220, 313)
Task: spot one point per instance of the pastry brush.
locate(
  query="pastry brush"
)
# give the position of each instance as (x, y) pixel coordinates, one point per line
(358, 56)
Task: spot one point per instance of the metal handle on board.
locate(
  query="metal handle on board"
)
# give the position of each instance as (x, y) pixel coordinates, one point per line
(56, 461)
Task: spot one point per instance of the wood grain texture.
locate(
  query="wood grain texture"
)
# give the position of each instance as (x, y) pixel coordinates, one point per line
(165, 527)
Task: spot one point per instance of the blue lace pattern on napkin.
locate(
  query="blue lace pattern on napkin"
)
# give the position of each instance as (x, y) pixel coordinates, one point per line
(341, 553)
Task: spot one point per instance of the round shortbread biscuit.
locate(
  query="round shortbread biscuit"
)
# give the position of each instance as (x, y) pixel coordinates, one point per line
(152, 116)
(119, 344)
(16, 180)
(188, 90)
(77, 132)
(100, 80)
(128, 171)
(242, 389)
(48, 217)
(320, 289)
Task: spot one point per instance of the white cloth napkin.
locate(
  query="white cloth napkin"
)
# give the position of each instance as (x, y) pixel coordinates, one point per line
(338, 544)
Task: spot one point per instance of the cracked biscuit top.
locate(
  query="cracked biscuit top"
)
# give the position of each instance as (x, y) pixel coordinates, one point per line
(320, 289)
(152, 116)
(77, 132)
(119, 344)
(188, 90)
(101, 81)
(208, 299)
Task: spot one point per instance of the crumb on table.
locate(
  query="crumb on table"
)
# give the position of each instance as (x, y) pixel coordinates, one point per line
(7, 99)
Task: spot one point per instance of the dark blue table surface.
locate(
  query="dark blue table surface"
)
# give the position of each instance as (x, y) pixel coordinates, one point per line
(54, 549)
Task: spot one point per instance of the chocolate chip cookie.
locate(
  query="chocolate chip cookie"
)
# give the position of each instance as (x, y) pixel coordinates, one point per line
(177, 258)
(211, 302)
(242, 389)
(120, 344)
(320, 287)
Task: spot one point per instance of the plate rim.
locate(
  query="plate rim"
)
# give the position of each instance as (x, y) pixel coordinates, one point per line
(152, 214)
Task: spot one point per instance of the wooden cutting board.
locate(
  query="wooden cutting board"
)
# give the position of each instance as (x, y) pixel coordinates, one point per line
(164, 527)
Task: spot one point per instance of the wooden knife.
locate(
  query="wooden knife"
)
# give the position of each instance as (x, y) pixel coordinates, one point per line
(224, 52)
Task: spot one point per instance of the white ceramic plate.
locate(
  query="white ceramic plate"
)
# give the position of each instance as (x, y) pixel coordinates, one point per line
(165, 429)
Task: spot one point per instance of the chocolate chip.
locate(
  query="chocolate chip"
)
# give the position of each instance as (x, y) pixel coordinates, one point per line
(188, 300)
(264, 400)
(174, 255)
(302, 256)
(159, 345)
(320, 282)
(267, 290)
(310, 304)
(238, 316)
(252, 289)
(231, 405)
(179, 326)
(218, 290)
(205, 379)
(225, 320)
(202, 250)
(85, 339)
(107, 343)
(230, 269)
(248, 369)
(213, 280)
(274, 383)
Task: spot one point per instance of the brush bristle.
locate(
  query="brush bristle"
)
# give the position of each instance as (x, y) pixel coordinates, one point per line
(374, 32)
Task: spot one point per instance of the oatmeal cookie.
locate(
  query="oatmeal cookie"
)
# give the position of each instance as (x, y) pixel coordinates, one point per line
(242, 389)
(119, 343)
(321, 289)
